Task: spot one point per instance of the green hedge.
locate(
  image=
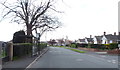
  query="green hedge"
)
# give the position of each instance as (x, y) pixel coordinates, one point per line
(82, 45)
(21, 49)
(41, 46)
(100, 46)
(113, 46)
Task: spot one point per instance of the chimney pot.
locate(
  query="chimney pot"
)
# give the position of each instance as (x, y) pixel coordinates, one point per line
(90, 36)
(114, 33)
(104, 33)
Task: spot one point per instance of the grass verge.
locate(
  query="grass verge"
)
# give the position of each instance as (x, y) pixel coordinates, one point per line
(76, 50)
(58, 46)
(72, 49)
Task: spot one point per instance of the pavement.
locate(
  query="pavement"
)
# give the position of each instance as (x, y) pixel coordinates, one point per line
(21, 63)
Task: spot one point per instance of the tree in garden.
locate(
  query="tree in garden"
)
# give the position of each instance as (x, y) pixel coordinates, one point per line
(19, 37)
(33, 13)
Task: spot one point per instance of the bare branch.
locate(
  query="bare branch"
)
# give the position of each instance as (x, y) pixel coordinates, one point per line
(32, 15)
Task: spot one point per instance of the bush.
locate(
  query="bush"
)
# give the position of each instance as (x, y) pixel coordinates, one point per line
(82, 45)
(73, 45)
(98, 46)
(23, 49)
(113, 46)
(41, 46)
(105, 46)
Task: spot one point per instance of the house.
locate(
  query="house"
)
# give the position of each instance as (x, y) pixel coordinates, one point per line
(67, 42)
(52, 42)
(60, 42)
(89, 40)
(97, 40)
(81, 41)
(109, 38)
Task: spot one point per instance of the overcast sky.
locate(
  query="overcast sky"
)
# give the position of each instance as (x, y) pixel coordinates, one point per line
(81, 18)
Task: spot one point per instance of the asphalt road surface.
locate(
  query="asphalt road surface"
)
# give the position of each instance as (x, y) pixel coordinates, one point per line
(57, 57)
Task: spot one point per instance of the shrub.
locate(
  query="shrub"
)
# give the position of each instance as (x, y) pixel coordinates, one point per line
(21, 49)
(73, 45)
(19, 37)
(82, 45)
(113, 46)
(98, 46)
(42, 46)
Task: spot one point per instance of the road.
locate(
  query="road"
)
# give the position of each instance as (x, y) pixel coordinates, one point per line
(57, 57)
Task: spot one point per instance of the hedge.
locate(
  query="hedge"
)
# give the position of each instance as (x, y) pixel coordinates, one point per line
(113, 46)
(100, 46)
(22, 49)
(82, 45)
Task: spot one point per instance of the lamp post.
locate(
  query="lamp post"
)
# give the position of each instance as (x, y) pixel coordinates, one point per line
(37, 43)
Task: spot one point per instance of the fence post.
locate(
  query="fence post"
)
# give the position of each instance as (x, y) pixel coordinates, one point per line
(10, 45)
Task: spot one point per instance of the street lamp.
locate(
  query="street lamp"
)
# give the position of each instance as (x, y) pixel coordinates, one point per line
(37, 42)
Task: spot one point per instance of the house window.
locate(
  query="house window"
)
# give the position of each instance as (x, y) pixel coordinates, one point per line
(111, 41)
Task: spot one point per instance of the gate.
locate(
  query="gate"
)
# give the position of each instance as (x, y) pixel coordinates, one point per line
(5, 52)
(0, 55)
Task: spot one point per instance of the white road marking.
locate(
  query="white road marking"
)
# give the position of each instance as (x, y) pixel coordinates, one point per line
(50, 51)
(109, 60)
(101, 52)
(79, 59)
(35, 60)
(102, 56)
(113, 62)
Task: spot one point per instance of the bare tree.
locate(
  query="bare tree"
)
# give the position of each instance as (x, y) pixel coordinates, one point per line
(32, 13)
(46, 25)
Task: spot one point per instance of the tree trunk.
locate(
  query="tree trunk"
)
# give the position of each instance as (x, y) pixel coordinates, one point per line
(29, 37)
(29, 33)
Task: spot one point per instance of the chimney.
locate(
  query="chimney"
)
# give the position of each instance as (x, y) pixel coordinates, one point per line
(90, 36)
(104, 33)
(114, 33)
